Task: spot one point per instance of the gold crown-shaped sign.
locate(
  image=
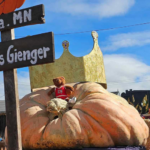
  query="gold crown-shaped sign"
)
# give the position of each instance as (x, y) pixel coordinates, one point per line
(74, 69)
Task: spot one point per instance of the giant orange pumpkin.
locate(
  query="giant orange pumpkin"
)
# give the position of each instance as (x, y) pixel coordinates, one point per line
(7, 6)
(98, 119)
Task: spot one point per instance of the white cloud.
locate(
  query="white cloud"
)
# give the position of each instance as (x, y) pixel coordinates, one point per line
(124, 40)
(96, 8)
(124, 72)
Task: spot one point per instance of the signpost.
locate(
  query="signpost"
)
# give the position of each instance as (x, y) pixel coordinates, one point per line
(24, 17)
(29, 51)
(34, 50)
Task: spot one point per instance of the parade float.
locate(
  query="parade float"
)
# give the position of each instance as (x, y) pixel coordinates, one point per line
(97, 120)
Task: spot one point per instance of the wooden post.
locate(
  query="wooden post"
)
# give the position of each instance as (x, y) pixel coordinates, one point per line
(28, 52)
(12, 101)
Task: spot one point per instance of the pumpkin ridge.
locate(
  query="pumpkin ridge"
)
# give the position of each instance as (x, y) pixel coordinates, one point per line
(84, 89)
(126, 124)
(23, 105)
(100, 124)
(81, 125)
(95, 86)
(62, 129)
(112, 100)
(44, 130)
(89, 141)
(61, 124)
(86, 98)
(139, 125)
(40, 96)
(129, 114)
(48, 138)
(66, 133)
(32, 117)
(26, 138)
(94, 98)
(106, 132)
(95, 121)
(31, 132)
(88, 95)
(31, 100)
(32, 106)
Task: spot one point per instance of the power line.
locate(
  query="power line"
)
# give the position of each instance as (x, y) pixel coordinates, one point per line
(106, 29)
(127, 26)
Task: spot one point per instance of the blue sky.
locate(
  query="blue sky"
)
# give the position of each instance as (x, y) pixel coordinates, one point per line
(126, 51)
